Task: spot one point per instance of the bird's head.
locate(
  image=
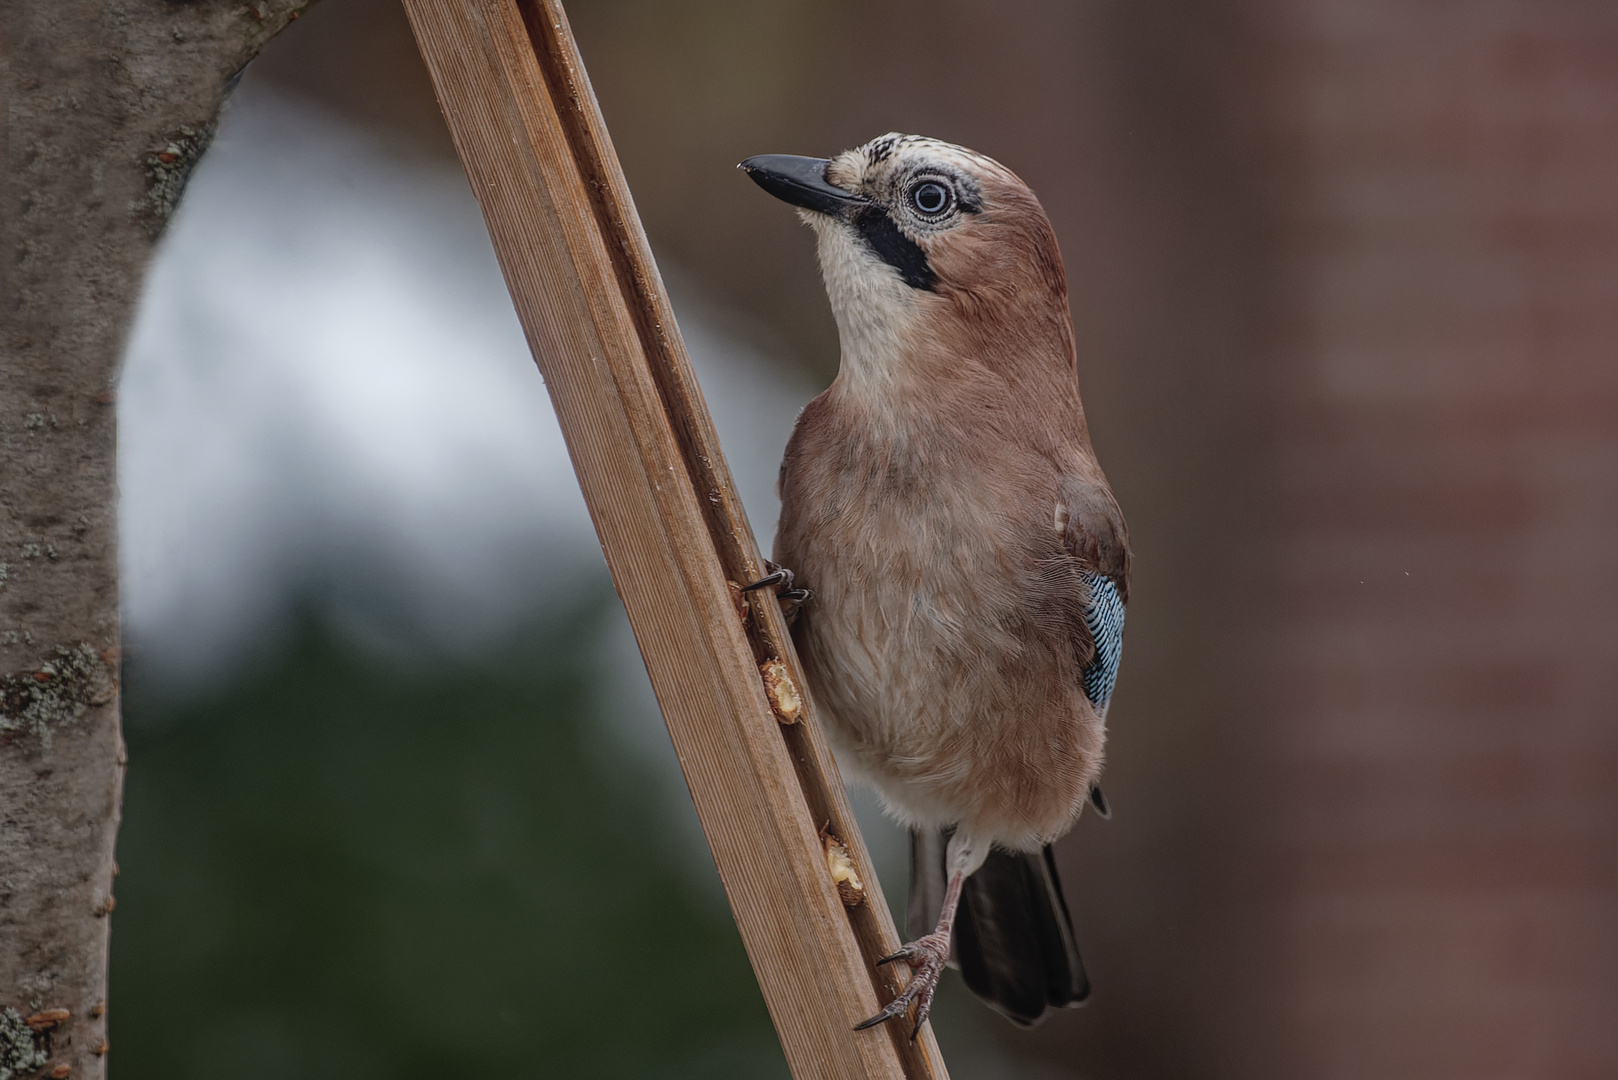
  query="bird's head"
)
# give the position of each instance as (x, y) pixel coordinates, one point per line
(927, 247)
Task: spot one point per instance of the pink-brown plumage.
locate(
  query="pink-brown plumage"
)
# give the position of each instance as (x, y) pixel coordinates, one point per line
(942, 501)
(945, 638)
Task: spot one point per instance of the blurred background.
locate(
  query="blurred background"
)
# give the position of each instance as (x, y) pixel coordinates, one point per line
(1345, 280)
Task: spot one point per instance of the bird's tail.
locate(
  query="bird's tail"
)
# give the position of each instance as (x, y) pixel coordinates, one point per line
(1013, 937)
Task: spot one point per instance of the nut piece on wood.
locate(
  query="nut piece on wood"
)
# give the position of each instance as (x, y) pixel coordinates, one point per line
(105, 907)
(849, 887)
(44, 1021)
(782, 691)
(61, 1072)
(101, 1048)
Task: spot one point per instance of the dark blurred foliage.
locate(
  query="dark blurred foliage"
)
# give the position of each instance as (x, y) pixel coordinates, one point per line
(343, 865)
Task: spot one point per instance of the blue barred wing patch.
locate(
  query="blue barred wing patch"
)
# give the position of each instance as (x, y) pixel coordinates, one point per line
(1104, 615)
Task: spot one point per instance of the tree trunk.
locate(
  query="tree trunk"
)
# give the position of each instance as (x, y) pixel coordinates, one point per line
(106, 108)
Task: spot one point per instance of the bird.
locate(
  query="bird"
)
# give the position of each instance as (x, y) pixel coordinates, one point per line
(968, 564)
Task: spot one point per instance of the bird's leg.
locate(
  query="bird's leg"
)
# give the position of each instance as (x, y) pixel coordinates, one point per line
(926, 957)
(780, 575)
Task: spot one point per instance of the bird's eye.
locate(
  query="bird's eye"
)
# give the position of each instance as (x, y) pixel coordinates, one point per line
(930, 197)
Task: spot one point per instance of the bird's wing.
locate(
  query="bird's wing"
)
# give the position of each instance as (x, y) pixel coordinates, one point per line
(1092, 530)
(1093, 533)
(1104, 618)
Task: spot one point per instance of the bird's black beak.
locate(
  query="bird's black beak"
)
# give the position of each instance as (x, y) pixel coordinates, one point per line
(800, 181)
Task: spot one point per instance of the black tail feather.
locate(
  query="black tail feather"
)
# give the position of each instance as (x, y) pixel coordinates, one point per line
(1099, 801)
(1013, 936)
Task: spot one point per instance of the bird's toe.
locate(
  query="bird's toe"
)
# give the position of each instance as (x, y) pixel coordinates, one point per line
(777, 575)
(926, 957)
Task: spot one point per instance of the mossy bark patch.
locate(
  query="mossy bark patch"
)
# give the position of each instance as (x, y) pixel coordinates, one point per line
(21, 1051)
(54, 692)
(167, 171)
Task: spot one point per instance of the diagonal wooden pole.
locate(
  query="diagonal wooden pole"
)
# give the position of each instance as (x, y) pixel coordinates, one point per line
(526, 124)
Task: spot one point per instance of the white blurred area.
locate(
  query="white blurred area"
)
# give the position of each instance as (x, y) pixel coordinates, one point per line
(327, 394)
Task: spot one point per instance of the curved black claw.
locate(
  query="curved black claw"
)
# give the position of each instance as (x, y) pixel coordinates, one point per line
(779, 576)
(896, 1007)
(903, 954)
(920, 990)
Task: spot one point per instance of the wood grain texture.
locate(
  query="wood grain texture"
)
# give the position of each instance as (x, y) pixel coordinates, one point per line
(529, 132)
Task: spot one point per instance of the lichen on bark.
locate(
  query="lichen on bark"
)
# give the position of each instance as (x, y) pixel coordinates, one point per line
(167, 171)
(20, 1046)
(54, 692)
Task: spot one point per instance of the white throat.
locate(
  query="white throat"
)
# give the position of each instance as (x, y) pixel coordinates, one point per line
(876, 311)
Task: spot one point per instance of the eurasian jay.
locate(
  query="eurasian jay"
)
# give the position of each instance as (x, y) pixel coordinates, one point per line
(968, 564)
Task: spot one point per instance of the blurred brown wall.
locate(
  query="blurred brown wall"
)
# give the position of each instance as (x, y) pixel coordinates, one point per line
(1440, 672)
(1344, 276)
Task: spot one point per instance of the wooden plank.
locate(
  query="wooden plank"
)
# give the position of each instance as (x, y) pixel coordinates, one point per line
(537, 154)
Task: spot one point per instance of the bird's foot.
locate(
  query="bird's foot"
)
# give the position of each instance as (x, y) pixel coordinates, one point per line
(926, 957)
(780, 575)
